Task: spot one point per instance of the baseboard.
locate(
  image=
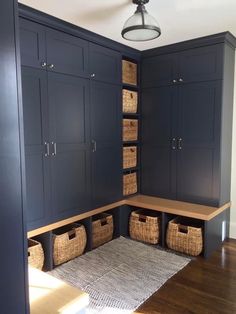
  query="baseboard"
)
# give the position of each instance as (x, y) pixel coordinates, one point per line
(233, 230)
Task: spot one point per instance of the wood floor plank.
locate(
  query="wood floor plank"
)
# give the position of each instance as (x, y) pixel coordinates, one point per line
(202, 287)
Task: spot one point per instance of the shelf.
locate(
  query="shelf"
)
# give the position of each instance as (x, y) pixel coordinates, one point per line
(131, 169)
(131, 87)
(129, 114)
(131, 142)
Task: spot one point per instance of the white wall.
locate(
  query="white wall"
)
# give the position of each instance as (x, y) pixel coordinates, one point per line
(233, 173)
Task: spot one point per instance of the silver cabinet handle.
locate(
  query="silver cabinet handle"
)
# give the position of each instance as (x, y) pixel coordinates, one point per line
(94, 146)
(174, 81)
(43, 64)
(173, 143)
(47, 151)
(181, 80)
(54, 149)
(180, 143)
(93, 75)
(51, 66)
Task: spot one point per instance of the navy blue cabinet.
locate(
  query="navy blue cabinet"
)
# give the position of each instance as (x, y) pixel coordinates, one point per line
(106, 117)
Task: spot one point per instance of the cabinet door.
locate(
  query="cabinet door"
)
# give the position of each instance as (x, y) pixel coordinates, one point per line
(199, 129)
(104, 64)
(158, 155)
(201, 64)
(66, 53)
(68, 116)
(34, 89)
(159, 70)
(106, 133)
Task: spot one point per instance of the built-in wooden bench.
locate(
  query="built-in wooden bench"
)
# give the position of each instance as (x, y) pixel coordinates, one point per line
(49, 295)
(196, 211)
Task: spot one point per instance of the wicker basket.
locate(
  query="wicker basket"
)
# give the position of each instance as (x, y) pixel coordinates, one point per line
(129, 72)
(129, 157)
(102, 229)
(130, 130)
(130, 101)
(144, 225)
(130, 183)
(68, 243)
(35, 254)
(185, 236)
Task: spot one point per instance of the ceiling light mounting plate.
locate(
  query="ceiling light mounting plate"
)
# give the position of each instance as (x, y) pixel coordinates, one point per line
(140, 2)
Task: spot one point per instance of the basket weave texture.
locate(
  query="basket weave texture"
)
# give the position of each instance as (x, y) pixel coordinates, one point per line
(130, 183)
(102, 229)
(144, 226)
(130, 130)
(184, 238)
(130, 101)
(35, 254)
(129, 157)
(129, 72)
(69, 242)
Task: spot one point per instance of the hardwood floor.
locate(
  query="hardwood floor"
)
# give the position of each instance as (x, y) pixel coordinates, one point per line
(202, 287)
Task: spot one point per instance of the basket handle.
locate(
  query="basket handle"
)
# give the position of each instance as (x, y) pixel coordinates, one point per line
(131, 95)
(71, 234)
(28, 254)
(103, 221)
(142, 218)
(182, 228)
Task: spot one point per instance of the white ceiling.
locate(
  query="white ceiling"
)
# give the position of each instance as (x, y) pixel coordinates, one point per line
(179, 19)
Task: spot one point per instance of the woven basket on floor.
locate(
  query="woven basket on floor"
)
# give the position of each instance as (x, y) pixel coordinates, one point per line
(129, 157)
(35, 254)
(68, 243)
(130, 185)
(130, 130)
(129, 72)
(144, 225)
(102, 229)
(184, 237)
(130, 101)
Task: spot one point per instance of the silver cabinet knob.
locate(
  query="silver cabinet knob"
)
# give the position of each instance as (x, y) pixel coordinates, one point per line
(43, 64)
(181, 80)
(174, 81)
(51, 66)
(93, 75)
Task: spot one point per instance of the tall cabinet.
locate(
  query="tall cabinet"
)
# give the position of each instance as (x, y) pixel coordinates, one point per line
(187, 121)
(72, 124)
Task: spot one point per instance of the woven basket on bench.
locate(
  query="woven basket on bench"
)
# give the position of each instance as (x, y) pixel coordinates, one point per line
(129, 72)
(35, 254)
(144, 225)
(102, 229)
(130, 130)
(184, 236)
(130, 101)
(130, 185)
(68, 243)
(129, 157)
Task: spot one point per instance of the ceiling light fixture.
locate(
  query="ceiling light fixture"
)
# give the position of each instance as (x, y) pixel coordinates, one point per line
(141, 26)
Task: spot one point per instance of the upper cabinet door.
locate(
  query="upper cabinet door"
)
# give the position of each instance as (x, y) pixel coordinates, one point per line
(34, 91)
(70, 149)
(201, 64)
(159, 70)
(104, 64)
(199, 142)
(66, 53)
(32, 44)
(158, 156)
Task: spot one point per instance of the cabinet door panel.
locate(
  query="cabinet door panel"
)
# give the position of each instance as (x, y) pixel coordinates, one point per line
(201, 64)
(159, 70)
(32, 43)
(106, 132)
(105, 64)
(199, 128)
(34, 91)
(67, 53)
(158, 159)
(68, 115)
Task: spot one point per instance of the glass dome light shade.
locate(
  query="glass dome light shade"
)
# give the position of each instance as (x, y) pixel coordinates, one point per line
(141, 26)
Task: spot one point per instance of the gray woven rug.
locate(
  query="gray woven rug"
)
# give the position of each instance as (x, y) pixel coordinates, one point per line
(120, 275)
